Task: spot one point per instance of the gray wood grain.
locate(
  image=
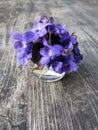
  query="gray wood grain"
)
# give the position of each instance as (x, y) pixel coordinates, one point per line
(29, 104)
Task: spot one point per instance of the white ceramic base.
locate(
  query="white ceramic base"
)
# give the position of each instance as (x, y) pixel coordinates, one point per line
(48, 75)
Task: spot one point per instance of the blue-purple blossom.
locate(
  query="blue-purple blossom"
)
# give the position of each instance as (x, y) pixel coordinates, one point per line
(50, 52)
(64, 63)
(40, 29)
(25, 54)
(48, 44)
(23, 45)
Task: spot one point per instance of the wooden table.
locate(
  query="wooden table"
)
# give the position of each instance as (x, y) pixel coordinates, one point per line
(29, 104)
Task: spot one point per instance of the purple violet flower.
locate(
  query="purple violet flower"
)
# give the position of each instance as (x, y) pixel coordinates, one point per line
(50, 52)
(23, 45)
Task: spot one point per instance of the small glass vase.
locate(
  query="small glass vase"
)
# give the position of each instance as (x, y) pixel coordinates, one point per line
(48, 75)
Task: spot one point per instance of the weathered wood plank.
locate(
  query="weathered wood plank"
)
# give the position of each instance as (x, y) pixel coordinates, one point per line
(29, 104)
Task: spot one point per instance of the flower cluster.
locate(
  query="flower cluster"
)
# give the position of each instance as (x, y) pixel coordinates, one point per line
(50, 45)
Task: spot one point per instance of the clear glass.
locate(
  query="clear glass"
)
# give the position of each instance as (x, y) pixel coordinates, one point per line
(48, 75)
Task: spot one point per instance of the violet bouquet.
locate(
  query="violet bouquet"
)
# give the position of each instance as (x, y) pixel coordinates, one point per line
(48, 45)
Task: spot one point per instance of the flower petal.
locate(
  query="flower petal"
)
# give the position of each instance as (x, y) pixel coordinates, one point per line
(43, 18)
(64, 36)
(23, 61)
(42, 32)
(73, 39)
(78, 58)
(45, 60)
(44, 51)
(21, 54)
(45, 42)
(77, 51)
(28, 37)
(67, 68)
(51, 20)
(57, 50)
(29, 56)
(40, 28)
(70, 46)
(18, 45)
(67, 59)
(58, 67)
(17, 36)
(73, 66)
